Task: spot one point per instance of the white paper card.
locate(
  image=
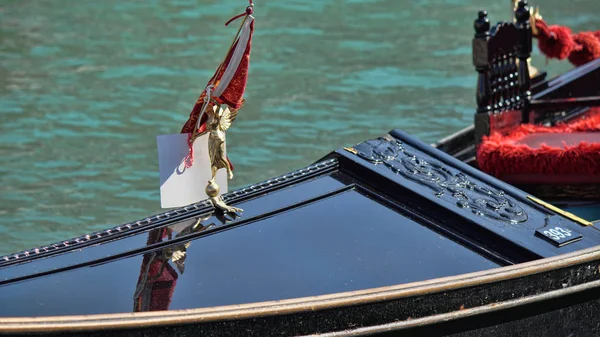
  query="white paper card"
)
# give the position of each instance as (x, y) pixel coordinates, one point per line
(181, 186)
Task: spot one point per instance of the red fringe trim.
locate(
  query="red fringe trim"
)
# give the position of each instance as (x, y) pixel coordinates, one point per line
(499, 156)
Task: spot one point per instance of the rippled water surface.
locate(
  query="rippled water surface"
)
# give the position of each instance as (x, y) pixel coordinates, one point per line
(87, 85)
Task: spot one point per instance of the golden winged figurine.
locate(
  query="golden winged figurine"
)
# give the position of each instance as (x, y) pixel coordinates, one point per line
(219, 120)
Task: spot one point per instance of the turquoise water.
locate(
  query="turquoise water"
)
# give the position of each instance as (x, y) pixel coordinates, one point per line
(87, 85)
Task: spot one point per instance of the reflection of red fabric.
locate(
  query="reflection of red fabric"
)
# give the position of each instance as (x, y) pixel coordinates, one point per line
(499, 156)
(161, 287)
(156, 288)
(559, 42)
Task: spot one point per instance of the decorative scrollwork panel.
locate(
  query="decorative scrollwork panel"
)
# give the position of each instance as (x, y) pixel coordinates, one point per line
(453, 187)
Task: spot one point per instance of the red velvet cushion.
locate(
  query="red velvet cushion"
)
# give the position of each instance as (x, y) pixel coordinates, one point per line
(566, 153)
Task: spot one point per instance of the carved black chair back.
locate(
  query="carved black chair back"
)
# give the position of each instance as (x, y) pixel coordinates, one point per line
(500, 56)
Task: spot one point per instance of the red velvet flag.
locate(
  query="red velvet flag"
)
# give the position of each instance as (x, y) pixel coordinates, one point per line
(228, 84)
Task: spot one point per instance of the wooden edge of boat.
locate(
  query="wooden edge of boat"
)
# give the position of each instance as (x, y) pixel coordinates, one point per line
(137, 320)
(464, 313)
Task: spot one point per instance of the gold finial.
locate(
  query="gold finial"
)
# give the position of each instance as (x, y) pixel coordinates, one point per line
(533, 71)
(535, 12)
(533, 17)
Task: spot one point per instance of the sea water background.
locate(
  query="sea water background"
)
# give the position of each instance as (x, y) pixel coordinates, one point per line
(87, 85)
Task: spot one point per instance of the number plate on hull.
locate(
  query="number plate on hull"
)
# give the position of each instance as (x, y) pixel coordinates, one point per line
(559, 236)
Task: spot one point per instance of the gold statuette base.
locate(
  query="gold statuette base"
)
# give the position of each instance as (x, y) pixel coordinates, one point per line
(212, 190)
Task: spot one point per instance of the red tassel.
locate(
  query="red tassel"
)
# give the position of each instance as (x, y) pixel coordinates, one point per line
(587, 48)
(559, 42)
(554, 41)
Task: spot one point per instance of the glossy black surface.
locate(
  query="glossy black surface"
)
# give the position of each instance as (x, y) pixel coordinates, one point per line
(461, 199)
(554, 301)
(171, 216)
(284, 197)
(582, 81)
(346, 241)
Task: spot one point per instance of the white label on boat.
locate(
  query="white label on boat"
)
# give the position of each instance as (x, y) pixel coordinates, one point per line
(181, 186)
(559, 236)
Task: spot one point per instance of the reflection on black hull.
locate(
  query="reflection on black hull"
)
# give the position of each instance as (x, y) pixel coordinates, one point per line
(158, 278)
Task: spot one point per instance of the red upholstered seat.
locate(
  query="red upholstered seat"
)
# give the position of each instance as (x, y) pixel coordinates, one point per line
(561, 154)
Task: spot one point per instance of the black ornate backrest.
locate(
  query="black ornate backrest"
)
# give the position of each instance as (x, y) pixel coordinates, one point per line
(500, 56)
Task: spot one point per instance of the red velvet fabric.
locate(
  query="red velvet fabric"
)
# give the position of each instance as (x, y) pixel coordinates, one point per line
(233, 95)
(499, 156)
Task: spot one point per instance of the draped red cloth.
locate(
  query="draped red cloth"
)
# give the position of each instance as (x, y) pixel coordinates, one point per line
(233, 94)
(559, 42)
